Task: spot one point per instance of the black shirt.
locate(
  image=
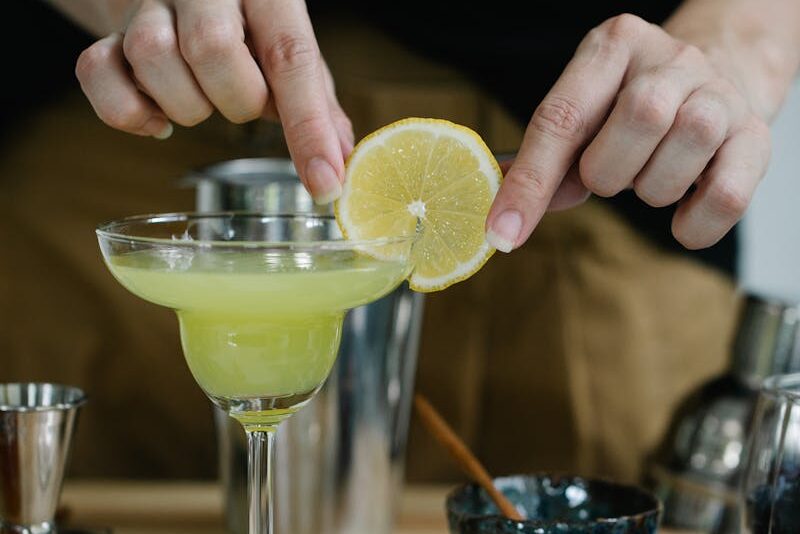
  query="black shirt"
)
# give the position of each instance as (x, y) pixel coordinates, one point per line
(39, 48)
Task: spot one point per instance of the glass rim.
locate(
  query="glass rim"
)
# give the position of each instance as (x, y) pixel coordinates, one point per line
(79, 400)
(783, 385)
(106, 229)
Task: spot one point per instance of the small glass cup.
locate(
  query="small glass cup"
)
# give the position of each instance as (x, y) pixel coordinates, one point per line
(555, 504)
(771, 482)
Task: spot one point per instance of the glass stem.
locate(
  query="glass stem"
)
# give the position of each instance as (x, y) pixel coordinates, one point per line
(260, 479)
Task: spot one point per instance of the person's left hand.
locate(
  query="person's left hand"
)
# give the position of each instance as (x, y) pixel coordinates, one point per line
(637, 108)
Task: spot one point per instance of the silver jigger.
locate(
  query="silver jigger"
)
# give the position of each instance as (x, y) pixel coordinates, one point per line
(36, 425)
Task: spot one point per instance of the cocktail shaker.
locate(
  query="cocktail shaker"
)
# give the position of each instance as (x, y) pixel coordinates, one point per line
(36, 426)
(696, 471)
(339, 465)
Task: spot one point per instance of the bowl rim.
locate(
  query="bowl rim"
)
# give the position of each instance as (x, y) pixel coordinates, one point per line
(656, 510)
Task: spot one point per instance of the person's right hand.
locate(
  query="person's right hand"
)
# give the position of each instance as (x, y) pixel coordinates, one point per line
(178, 60)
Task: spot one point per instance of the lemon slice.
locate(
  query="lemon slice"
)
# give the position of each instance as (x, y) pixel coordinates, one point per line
(429, 176)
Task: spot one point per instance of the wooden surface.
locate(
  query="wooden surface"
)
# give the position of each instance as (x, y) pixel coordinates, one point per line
(184, 507)
(178, 507)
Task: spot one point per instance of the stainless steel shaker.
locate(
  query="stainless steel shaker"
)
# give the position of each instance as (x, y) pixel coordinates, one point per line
(36, 426)
(696, 472)
(339, 459)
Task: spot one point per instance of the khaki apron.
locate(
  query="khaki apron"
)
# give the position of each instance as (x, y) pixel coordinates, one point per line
(569, 354)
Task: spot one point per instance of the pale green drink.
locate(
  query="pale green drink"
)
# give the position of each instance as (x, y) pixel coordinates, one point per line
(256, 325)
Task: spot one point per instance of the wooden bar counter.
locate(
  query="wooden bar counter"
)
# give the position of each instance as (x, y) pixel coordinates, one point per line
(197, 507)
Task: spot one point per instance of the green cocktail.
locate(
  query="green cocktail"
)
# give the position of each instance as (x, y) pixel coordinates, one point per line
(251, 332)
(260, 301)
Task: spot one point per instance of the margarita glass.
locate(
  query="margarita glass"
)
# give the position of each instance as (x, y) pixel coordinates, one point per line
(260, 301)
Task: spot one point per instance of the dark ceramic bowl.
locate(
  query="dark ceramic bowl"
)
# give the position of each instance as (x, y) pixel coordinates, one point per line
(555, 504)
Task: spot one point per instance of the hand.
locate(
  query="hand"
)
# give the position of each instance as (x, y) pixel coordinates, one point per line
(180, 60)
(636, 108)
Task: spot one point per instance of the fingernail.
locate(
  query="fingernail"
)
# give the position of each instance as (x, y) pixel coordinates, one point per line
(162, 127)
(322, 179)
(505, 230)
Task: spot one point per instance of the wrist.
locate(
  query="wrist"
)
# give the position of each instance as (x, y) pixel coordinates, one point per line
(759, 71)
(743, 51)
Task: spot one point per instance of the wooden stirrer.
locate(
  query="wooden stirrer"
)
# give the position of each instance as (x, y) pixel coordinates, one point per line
(462, 455)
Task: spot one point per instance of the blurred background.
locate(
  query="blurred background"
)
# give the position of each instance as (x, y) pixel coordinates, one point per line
(572, 353)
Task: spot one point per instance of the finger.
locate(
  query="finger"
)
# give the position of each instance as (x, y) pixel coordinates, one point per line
(724, 192)
(151, 47)
(570, 193)
(289, 56)
(642, 116)
(701, 125)
(212, 39)
(104, 78)
(340, 120)
(568, 115)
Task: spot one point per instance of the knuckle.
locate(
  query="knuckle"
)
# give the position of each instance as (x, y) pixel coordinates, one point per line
(528, 182)
(687, 236)
(210, 41)
(597, 173)
(589, 171)
(192, 117)
(146, 43)
(599, 186)
(727, 90)
(345, 122)
(688, 54)
(126, 115)
(759, 129)
(341, 118)
(665, 194)
(559, 117)
(245, 104)
(754, 158)
(305, 131)
(727, 199)
(728, 94)
(343, 125)
(602, 42)
(649, 105)
(90, 60)
(702, 124)
(622, 27)
(288, 52)
(245, 114)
